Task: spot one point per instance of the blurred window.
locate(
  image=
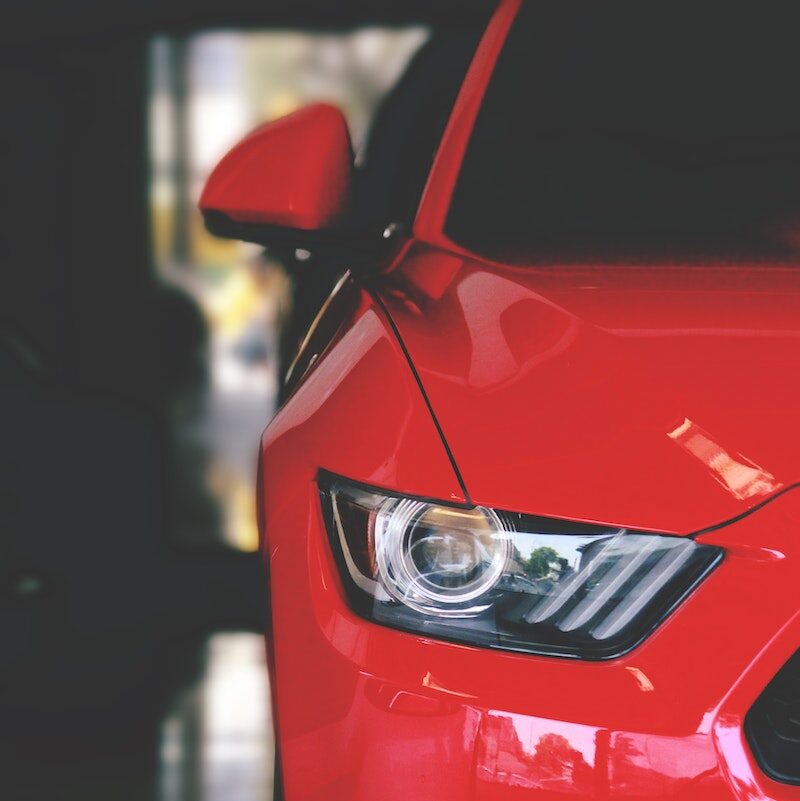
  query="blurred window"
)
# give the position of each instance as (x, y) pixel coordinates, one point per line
(628, 129)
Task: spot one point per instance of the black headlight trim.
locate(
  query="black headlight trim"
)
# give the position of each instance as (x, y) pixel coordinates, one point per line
(365, 605)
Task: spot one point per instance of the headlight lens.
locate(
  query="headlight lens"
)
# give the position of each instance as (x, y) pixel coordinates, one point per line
(506, 580)
(435, 559)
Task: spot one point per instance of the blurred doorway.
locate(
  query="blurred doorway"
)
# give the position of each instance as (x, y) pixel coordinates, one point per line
(230, 300)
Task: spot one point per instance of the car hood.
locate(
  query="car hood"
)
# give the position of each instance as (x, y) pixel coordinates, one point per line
(660, 397)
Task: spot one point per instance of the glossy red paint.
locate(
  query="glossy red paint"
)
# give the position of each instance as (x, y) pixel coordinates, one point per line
(381, 713)
(661, 397)
(656, 397)
(363, 440)
(293, 172)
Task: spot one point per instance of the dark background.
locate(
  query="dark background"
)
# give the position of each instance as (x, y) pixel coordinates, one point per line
(106, 604)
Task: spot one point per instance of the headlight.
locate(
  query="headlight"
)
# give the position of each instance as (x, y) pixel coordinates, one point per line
(504, 580)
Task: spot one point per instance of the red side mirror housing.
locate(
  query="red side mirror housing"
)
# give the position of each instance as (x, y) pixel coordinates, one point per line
(288, 178)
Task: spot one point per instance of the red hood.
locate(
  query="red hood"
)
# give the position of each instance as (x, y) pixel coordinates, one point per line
(665, 398)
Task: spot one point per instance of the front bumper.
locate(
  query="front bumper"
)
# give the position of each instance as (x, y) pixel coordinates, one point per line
(365, 712)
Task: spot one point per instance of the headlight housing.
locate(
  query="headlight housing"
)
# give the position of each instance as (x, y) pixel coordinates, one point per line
(505, 580)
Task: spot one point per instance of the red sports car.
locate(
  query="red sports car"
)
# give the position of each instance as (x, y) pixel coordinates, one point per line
(530, 512)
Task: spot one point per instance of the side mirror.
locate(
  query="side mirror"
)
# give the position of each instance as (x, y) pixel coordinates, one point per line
(287, 183)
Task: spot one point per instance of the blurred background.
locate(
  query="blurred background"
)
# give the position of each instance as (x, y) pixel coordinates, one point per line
(140, 359)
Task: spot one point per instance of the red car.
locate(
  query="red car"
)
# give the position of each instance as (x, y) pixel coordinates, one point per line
(530, 512)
